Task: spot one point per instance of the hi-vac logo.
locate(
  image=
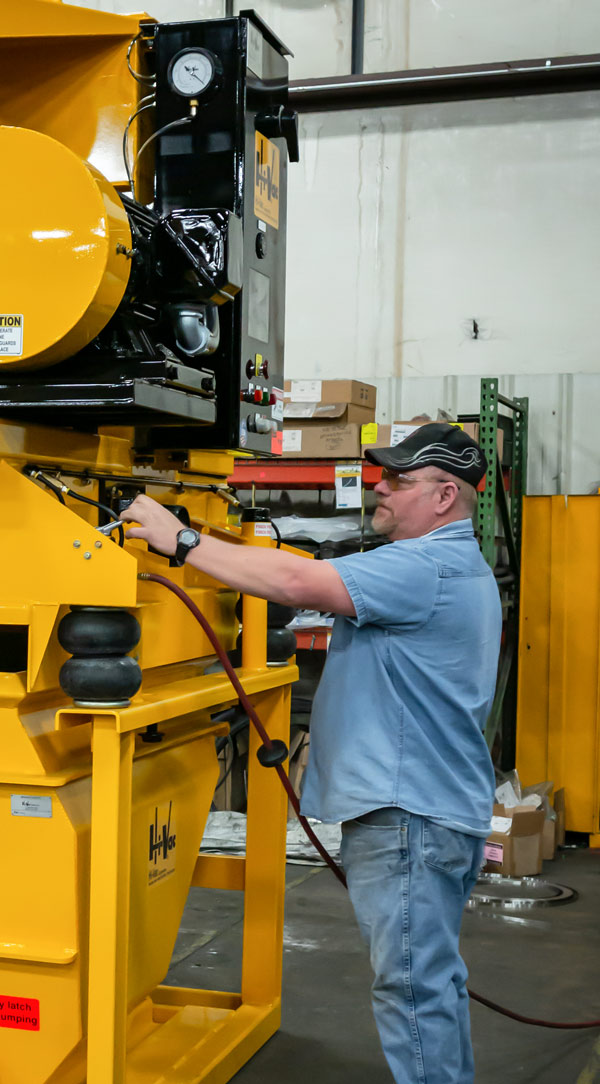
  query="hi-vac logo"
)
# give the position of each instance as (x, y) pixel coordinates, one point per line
(162, 842)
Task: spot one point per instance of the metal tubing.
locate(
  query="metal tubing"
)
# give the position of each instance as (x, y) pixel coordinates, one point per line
(254, 610)
(265, 860)
(109, 902)
(358, 37)
(511, 403)
(504, 79)
(509, 538)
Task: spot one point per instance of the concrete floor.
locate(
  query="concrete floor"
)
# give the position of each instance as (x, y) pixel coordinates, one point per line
(545, 963)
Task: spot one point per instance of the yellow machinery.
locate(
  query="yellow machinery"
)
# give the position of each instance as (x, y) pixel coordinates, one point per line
(103, 804)
(558, 708)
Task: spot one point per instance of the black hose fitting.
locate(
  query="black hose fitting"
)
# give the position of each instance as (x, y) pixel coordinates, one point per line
(272, 755)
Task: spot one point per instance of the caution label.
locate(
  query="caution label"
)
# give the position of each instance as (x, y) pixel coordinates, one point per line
(11, 334)
(266, 181)
(22, 1013)
(162, 844)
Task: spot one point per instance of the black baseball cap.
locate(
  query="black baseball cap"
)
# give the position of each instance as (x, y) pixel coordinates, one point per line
(436, 444)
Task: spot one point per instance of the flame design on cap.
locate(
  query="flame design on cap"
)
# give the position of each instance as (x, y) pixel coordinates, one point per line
(469, 457)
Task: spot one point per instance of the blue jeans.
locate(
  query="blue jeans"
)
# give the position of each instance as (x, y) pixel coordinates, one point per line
(409, 880)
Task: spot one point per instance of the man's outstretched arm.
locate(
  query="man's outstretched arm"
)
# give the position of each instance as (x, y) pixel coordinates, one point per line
(253, 570)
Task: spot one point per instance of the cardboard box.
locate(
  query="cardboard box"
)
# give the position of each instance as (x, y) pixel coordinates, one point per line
(517, 851)
(299, 749)
(309, 441)
(387, 436)
(331, 391)
(559, 809)
(549, 840)
(328, 413)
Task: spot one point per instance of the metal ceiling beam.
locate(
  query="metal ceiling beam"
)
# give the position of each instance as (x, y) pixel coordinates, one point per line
(515, 78)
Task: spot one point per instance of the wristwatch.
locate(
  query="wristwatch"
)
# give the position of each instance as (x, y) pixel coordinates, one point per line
(187, 540)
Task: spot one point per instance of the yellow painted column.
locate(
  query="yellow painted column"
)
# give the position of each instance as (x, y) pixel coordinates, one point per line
(557, 657)
(109, 901)
(256, 531)
(265, 858)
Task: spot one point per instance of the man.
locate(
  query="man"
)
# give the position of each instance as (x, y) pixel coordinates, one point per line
(397, 750)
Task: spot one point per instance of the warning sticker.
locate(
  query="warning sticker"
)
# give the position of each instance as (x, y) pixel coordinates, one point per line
(161, 854)
(11, 334)
(266, 180)
(22, 1013)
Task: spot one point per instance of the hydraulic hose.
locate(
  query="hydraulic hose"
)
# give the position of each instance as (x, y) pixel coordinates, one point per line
(248, 708)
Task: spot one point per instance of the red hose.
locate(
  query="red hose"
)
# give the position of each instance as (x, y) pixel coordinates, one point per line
(248, 708)
(530, 1019)
(245, 702)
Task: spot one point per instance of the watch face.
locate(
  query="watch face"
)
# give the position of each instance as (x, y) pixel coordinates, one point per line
(191, 72)
(187, 536)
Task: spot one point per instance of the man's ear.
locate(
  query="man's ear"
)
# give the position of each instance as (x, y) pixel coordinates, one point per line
(449, 496)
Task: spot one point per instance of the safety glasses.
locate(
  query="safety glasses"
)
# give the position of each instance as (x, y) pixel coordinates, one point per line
(400, 480)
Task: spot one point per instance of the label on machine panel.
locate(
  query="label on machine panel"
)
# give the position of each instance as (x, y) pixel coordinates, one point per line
(255, 50)
(162, 841)
(266, 180)
(11, 334)
(30, 805)
(19, 1012)
(277, 408)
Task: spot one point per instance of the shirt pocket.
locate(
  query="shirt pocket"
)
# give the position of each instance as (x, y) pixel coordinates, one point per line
(447, 850)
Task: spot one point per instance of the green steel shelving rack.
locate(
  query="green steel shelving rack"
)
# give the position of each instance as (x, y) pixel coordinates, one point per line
(498, 525)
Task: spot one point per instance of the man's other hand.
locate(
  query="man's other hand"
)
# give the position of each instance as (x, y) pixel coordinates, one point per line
(158, 527)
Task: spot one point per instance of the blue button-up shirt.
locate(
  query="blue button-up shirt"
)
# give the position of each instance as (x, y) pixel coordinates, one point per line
(407, 686)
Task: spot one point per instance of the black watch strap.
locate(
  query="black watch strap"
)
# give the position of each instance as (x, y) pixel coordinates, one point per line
(187, 540)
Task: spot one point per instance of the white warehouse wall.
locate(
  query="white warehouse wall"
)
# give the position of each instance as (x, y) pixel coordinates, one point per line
(407, 224)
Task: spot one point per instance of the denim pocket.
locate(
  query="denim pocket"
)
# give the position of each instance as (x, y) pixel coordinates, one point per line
(447, 850)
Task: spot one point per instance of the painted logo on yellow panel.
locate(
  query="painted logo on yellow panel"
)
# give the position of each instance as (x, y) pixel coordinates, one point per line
(162, 840)
(266, 181)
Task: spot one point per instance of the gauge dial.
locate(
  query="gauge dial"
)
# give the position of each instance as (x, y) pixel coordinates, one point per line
(191, 72)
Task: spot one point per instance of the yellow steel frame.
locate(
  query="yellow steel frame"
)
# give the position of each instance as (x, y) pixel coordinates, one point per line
(558, 706)
(191, 1035)
(175, 1036)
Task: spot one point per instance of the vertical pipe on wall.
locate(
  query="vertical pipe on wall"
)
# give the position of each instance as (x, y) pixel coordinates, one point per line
(358, 37)
(228, 8)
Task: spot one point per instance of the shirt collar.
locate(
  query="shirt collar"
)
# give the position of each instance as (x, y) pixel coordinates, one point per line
(457, 527)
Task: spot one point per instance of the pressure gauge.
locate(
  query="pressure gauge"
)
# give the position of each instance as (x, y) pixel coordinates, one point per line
(192, 71)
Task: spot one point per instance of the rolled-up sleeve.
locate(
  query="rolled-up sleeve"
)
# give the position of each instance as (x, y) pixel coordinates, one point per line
(396, 584)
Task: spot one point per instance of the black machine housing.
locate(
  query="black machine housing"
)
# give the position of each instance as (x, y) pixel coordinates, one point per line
(193, 357)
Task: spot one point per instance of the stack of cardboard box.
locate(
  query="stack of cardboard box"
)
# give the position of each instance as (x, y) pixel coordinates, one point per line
(322, 419)
(523, 836)
(387, 436)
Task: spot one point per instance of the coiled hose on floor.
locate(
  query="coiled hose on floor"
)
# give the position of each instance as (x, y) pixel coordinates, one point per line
(268, 744)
